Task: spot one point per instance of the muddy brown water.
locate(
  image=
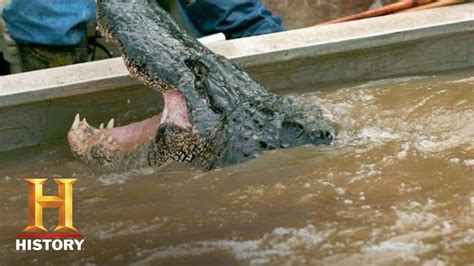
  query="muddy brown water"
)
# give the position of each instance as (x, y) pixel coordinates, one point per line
(398, 189)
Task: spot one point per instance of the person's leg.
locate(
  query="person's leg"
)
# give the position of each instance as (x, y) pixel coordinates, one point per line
(3, 66)
(38, 56)
(235, 18)
(49, 33)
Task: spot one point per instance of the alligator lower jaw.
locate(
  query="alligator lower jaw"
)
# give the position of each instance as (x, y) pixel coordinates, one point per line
(109, 145)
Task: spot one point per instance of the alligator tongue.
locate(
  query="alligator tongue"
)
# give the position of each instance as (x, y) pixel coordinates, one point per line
(85, 139)
(132, 135)
(174, 113)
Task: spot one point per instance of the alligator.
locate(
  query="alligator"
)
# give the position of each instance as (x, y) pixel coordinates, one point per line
(214, 114)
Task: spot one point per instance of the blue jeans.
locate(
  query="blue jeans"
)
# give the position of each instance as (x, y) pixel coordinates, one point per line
(235, 18)
(49, 22)
(63, 22)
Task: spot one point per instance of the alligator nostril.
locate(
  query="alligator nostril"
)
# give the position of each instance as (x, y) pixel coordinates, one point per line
(329, 135)
(263, 144)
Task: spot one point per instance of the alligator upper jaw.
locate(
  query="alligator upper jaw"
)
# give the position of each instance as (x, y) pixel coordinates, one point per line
(111, 145)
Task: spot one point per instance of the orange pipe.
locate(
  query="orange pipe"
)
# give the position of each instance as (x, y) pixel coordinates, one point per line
(438, 3)
(385, 10)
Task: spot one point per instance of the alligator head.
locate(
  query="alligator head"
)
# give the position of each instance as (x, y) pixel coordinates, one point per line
(214, 113)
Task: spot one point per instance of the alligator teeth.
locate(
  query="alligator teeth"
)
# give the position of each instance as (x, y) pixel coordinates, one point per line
(110, 125)
(75, 124)
(110, 139)
(85, 122)
(102, 137)
(101, 126)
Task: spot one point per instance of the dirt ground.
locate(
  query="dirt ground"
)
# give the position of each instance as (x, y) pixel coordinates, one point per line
(303, 13)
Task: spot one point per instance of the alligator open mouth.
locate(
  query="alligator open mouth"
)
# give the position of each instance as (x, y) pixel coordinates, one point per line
(109, 144)
(214, 112)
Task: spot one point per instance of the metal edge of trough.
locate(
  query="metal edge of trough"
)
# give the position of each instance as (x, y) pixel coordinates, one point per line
(349, 36)
(248, 52)
(356, 43)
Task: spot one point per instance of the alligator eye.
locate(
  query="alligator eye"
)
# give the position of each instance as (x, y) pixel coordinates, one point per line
(190, 2)
(201, 83)
(211, 90)
(199, 69)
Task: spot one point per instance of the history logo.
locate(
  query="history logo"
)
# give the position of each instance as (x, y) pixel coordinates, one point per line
(35, 236)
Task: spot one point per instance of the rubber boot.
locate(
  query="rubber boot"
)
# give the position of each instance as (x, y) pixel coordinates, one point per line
(35, 57)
